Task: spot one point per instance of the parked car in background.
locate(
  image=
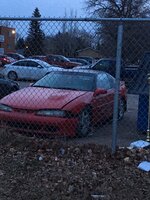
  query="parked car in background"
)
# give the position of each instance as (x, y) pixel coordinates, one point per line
(107, 65)
(87, 58)
(79, 60)
(16, 56)
(39, 57)
(138, 76)
(11, 59)
(4, 59)
(61, 61)
(27, 69)
(7, 86)
(66, 103)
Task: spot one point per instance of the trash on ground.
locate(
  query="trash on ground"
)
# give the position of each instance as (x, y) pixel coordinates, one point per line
(140, 144)
(145, 165)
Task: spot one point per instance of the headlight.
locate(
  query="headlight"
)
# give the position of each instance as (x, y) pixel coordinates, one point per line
(52, 113)
(5, 108)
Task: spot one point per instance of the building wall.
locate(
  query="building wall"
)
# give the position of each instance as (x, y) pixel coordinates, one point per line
(9, 39)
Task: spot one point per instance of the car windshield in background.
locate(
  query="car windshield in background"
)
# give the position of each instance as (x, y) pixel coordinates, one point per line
(67, 80)
(65, 59)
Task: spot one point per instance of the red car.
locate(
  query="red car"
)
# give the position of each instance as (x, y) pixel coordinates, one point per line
(61, 61)
(4, 60)
(65, 102)
(15, 56)
(43, 58)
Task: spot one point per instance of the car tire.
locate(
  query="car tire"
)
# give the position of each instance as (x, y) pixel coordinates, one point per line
(14, 88)
(84, 124)
(121, 109)
(12, 75)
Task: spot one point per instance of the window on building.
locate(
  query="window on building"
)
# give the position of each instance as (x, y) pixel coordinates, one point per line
(9, 46)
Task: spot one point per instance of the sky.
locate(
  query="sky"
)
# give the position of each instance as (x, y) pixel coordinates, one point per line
(48, 8)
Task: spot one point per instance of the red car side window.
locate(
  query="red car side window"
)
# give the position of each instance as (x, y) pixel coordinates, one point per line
(103, 82)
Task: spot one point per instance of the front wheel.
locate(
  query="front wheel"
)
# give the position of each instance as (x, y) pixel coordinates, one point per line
(84, 123)
(15, 88)
(12, 75)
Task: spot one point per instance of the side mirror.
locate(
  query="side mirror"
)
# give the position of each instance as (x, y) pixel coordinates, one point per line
(99, 91)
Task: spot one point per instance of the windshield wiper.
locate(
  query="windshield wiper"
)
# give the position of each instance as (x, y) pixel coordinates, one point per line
(66, 88)
(63, 88)
(40, 86)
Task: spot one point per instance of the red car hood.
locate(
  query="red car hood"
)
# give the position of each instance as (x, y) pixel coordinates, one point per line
(39, 98)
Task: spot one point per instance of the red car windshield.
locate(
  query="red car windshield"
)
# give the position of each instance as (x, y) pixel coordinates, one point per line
(67, 80)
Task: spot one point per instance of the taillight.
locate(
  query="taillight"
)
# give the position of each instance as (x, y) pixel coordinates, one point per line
(6, 59)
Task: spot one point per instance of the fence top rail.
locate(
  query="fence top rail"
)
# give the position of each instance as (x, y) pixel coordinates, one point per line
(76, 19)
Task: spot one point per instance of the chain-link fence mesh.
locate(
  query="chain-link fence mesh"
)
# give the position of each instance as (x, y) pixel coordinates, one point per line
(65, 85)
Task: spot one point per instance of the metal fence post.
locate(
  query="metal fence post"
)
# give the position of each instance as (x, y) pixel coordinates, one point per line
(148, 124)
(117, 86)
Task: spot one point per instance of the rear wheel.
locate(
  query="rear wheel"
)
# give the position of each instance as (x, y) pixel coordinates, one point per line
(12, 75)
(15, 88)
(84, 123)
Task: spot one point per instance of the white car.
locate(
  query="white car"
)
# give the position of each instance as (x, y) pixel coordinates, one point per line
(27, 69)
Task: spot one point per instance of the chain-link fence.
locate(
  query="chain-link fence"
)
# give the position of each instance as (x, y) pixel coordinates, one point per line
(86, 79)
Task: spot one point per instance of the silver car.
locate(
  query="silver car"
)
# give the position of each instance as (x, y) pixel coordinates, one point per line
(27, 69)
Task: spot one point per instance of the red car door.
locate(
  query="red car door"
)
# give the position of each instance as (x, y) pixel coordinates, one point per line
(103, 103)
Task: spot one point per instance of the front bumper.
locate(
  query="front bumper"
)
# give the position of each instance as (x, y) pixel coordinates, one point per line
(38, 125)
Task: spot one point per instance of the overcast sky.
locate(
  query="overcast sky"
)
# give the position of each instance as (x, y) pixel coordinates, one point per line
(48, 8)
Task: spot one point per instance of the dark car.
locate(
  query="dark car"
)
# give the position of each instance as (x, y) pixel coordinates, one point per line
(61, 61)
(16, 56)
(79, 60)
(87, 58)
(107, 65)
(39, 57)
(4, 59)
(7, 86)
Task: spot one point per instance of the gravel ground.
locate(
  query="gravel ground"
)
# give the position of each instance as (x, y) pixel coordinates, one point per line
(36, 169)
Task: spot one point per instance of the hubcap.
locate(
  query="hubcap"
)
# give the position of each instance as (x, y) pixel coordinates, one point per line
(12, 76)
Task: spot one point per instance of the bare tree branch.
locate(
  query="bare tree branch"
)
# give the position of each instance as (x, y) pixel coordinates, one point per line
(119, 8)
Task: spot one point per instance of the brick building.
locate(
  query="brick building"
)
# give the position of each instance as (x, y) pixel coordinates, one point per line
(7, 39)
